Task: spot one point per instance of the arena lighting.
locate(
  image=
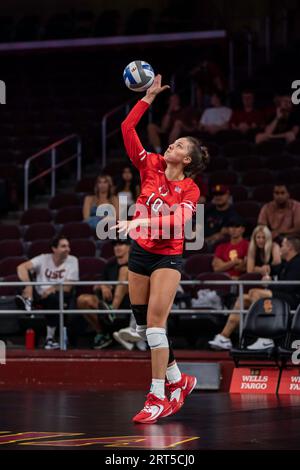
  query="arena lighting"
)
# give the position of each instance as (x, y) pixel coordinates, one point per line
(112, 41)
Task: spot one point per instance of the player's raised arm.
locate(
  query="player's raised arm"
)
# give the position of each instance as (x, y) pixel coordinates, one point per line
(133, 145)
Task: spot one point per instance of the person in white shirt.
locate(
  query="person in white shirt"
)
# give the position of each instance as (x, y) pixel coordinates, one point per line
(216, 118)
(51, 267)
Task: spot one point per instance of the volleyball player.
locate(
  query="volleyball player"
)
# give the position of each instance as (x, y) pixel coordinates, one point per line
(155, 263)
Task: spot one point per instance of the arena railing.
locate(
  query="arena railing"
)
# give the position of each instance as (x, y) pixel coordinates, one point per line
(194, 311)
(52, 149)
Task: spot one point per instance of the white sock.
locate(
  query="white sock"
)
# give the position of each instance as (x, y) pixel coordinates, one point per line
(51, 332)
(158, 388)
(173, 373)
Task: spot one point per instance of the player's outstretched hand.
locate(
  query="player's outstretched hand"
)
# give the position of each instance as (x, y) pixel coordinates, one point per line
(155, 89)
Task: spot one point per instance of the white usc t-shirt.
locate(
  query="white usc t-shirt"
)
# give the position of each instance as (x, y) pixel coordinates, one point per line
(46, 270)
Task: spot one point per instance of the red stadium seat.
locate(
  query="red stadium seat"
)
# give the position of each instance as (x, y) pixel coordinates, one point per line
(245, 164)
(39, 231)
(247, 209)
(107, 250)
(222, 289)
(239, 193)
(86, 185)
(83, 247)
(38, 247)
(219, 163)
(238, 149)
(198, 264)
(9, 232)
(256, 177)
(91, 268)
(76, 230)
(64, 200)
(251, 277)
(263, 193)
(9, 290)
(68, 214)
(33, 216)
(280, 162)
(223, 177)
(11, 248)
(9, 265)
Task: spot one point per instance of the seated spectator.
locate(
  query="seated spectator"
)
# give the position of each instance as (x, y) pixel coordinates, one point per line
(115, 296)
(216, 118)
(284, 125)
(126, 186)
(216, 218)
(288, 270)
(263, 253)
(103, 195)
(178, 120)
(282, 215)
(230, 257)
(58, 266)
(246, 120)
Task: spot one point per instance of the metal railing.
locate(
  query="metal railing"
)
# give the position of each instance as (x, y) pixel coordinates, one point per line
(194, 311)
(52, 149)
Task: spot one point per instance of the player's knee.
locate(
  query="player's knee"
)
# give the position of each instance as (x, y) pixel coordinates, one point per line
(157, 338)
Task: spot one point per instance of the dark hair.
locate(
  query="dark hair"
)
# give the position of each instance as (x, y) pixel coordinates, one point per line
(120, 186)
(55, 241)
(294, 241)
(281, 182)
(199, 155)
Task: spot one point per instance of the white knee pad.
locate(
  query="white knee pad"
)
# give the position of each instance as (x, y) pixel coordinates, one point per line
(157, 338)
(141, 331)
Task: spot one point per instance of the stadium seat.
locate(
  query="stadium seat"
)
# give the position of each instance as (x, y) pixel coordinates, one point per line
(239, 193)
(68, 214)
(76, 230)
(198, 264)
(263, 193)
(107, 250)
(39, 231)
(64, 200)
(245, 164)
(86, 185)
(285, 352)
(91, 268)
(247, 209)
(35, 215)
(83, 247)
(270, 147)
(280, 162)
(238, 149)
(251, 277)
(38, 247)
(256, 177)
(222, 290)
(223, 177)
(219, 163)
(292, 175)
(9, 290)
(11, 248)
(9, 232)
(9, 265)
(266, 318)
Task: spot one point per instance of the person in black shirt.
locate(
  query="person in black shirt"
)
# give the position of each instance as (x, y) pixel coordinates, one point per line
(217, 217)
(106, 296)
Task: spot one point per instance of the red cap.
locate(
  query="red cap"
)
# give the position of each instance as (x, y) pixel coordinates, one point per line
(220, 189)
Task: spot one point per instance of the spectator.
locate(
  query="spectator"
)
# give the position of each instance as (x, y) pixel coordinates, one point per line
(103, 194)
(58, 266)
(115, 296)
(230, 257)
(282, 215)
(248, 119)
(284, 125)
(288, 270)
(263, 253)
(127, 186)
(216, 218)
(216, 118)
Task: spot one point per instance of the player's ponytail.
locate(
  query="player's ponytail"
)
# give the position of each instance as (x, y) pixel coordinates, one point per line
(199, 155)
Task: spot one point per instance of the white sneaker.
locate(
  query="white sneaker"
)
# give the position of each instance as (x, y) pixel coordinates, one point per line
(23, 303)
(261, 343)
(125, 344)
(220, 342)
(51, 344)
(128, 334)
(141, 345)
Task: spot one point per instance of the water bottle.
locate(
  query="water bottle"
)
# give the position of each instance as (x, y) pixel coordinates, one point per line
(65, 338)
(29, 338)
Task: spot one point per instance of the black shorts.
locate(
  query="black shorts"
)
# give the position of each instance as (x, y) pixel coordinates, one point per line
(143, 262)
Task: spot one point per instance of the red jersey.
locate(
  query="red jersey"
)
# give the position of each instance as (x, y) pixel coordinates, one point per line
(229, 251)
(156, 189)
